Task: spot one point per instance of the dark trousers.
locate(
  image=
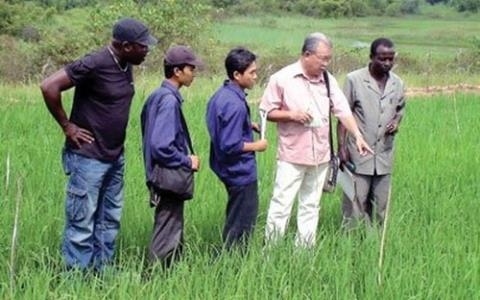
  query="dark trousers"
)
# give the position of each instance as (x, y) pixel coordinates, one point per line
(241, 214)
(370, 203)
(167, 239)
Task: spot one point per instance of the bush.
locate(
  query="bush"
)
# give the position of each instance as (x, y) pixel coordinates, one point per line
(410, 7)
(14, 18)
(54, 43)
(394, 9)
(466, 5)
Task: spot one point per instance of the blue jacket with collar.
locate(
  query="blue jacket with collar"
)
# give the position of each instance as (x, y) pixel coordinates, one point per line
(164, 139)
(229, 126)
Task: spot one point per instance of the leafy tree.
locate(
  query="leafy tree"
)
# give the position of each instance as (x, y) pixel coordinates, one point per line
(466, 5)
(169, 20)
(432, 2)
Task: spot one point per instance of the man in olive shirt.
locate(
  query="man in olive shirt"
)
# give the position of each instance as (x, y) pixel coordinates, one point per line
(376, 97)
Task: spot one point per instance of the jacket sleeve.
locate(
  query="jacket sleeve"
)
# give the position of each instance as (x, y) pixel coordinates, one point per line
(400, 109)
(231, 129)
(166, 130)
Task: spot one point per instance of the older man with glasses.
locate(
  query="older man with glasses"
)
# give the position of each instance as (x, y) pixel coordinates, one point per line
(296, 99)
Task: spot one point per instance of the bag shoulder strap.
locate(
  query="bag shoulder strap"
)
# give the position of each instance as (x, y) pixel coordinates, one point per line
(185, 127)
(330, 138)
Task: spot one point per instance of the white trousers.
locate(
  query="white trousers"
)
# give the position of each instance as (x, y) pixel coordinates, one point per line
(291, 179)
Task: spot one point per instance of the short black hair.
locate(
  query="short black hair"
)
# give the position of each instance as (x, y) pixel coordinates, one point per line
(168, 70)
(380, 41)
(238, 59)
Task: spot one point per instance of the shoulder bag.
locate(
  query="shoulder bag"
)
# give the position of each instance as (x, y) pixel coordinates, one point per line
(332, 171)
(177, 182)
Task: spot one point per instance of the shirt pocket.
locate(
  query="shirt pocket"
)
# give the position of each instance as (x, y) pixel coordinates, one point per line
(77, 200)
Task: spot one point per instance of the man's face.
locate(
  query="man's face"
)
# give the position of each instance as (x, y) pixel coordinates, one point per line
(318, 61)
(186, 75)
(383, 60)
(248, 78)
(135, 53)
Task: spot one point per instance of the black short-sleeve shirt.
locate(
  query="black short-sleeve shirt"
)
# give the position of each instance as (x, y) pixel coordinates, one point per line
(101, 103)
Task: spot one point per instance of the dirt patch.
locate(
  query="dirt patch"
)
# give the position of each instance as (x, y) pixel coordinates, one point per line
(443, 89)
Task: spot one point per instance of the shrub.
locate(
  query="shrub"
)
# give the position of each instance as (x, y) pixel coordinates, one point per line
(466, 5)
(410, 7)
(56, 43)
(394, 9)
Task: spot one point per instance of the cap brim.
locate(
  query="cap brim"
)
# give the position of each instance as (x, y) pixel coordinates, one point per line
(148, 41)
(197, 62)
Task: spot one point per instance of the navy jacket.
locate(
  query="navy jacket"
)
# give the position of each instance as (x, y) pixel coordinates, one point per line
(164, 139)
(229, 126)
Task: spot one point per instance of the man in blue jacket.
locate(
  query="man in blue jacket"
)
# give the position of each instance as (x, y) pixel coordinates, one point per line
(232, 148)
(165, 144)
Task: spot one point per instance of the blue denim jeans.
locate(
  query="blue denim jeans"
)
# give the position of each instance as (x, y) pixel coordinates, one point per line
(93, 207)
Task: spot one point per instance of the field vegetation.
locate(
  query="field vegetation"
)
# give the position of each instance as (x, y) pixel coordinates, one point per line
(432, 246)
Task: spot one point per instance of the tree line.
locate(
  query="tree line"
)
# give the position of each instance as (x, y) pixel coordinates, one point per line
(41, 35)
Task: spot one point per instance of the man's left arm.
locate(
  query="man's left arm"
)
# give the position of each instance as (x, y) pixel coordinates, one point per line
(392, 126)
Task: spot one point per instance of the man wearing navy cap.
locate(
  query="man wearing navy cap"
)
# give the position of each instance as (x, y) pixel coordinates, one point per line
(165, 143)
(93, 154)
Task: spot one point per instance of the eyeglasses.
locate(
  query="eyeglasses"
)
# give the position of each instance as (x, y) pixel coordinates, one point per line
(323, 58)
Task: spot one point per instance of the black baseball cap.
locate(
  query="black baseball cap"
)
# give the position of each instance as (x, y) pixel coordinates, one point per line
(134, 31)
(179, 55)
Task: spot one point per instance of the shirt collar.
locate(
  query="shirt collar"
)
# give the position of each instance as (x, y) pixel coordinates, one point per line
(297, 70)
(166, 84)
(236, 88)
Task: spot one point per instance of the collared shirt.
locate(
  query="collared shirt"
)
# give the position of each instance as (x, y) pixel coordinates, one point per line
(373, 111)
(164, 139)
(229, 126)
(291, 89)
(101, 103)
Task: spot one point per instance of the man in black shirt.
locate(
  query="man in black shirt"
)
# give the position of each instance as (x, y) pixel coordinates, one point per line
(95, 134)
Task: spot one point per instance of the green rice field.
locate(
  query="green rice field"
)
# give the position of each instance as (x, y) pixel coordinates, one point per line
(431, 251)
(432, 246)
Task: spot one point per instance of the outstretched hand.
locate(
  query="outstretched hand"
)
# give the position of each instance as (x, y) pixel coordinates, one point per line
(363, 147)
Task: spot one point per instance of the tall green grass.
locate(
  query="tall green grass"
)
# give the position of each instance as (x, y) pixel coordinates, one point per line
(432, 248)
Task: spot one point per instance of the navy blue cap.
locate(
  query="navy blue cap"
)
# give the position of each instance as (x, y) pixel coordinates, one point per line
(179, 55)
(134, 31)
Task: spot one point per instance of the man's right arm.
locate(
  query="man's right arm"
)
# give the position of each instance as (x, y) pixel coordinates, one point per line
(166, 125)
(277, 115)
(52, 88)
(272, 101)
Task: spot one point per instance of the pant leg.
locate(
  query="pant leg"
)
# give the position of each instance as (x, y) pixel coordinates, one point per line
(83, 186)
(241, 213)
(359, 209)
(287, 182)
(381, 185)
(167, 238)
(107, 216)
(309, 205)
